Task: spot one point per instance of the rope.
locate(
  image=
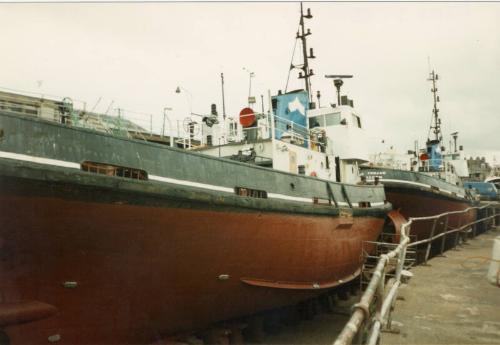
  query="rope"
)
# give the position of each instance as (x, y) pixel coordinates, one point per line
(291, 62)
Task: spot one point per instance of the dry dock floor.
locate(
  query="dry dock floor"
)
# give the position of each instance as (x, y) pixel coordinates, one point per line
(448, 302)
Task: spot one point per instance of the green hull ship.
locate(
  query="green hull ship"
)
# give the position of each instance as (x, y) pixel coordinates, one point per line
(110, 234)
(110, 239)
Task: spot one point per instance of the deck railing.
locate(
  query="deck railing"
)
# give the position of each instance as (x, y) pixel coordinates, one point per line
(298, 135)
(365, 326)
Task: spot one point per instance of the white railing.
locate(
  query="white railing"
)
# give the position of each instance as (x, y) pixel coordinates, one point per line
(140, 124)
(358, 328)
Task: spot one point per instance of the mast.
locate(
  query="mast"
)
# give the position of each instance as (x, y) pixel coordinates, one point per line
(223, 100)
(435, 121)
(306, 71)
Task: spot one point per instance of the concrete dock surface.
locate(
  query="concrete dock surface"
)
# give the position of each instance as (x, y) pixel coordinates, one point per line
(450, 301)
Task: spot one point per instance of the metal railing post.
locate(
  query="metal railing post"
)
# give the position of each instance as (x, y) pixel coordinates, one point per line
(457, 233)
(388, 326)
(474, 228)
(429, 244)
(488, 226)
(401, 260)
(463, 232)
(443, 240)
(384, 295)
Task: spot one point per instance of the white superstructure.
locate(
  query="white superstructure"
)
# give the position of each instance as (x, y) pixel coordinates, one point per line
(331, 146)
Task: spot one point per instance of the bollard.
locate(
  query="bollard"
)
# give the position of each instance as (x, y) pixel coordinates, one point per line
(494, 268)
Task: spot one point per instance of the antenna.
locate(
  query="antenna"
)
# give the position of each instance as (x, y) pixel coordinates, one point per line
(435, 121)
(306, 73)
(96, 103)
(223, 101)
(338, 82)
(251, 99)
(109, 107)
(455, 136)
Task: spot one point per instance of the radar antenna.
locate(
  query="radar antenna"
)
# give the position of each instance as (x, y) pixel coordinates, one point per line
(338, 82)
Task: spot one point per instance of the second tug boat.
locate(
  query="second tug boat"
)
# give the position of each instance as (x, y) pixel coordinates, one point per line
(431, 185)
(109, 238)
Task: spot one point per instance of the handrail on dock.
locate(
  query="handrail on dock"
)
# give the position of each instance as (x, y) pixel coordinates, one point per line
(364, 326)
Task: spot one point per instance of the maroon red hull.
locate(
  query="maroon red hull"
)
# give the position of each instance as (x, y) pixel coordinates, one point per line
(424, 204)
(141, 272)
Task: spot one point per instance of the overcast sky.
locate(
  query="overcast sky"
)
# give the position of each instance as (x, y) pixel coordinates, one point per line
(137, 54)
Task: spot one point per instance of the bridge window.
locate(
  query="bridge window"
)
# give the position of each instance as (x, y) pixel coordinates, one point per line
(332, 119)
(317, 121)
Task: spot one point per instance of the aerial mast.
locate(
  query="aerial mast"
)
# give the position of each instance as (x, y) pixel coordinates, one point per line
(306, 73)
(435, 121)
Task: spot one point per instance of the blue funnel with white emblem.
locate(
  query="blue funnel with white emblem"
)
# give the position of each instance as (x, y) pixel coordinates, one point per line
(290, 118)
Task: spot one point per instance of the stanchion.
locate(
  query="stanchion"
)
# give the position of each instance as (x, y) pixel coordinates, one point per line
(443, 239)
(457, 233)
(429, 244)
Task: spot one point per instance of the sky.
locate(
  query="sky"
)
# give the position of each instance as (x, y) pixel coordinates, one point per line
(133, 56)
